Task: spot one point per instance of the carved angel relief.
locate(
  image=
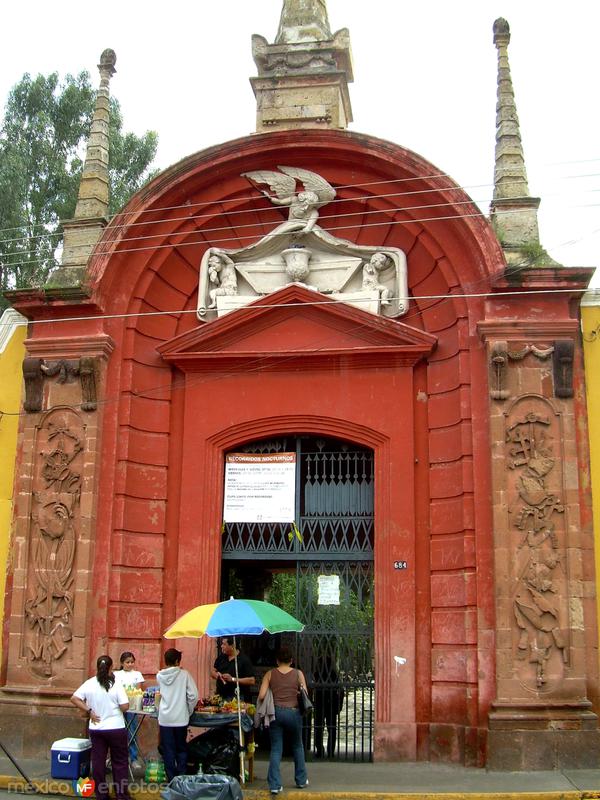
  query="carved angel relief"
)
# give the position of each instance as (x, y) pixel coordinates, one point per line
(540, 590)
(54, 517)
(300, 251)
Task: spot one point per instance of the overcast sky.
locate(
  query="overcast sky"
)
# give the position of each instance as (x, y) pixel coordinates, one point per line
(425, 77)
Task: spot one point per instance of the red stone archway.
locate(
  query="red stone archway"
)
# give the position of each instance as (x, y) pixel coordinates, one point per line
(144, 276)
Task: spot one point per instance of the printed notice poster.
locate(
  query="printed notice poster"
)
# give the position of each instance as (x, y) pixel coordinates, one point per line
(260, 488)
(329, 590)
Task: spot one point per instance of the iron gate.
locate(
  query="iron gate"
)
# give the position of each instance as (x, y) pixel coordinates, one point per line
(332, 536)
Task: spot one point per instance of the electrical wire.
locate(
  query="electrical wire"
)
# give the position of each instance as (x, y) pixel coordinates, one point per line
(252, 224)
(259, 361)
(201, 241)
(256, 365)
(229, 214)
(510, 270)
(254, 305)
(188, 205)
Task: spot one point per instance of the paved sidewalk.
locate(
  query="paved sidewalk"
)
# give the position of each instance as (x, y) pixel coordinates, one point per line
(346, 781)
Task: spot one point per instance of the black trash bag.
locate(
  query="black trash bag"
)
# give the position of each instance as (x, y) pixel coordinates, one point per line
(202, 787)
(217, 752)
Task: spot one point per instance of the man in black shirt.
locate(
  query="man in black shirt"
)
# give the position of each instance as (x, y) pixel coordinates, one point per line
(223, 672)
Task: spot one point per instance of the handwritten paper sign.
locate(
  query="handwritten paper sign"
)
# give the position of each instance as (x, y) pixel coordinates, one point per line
(328, 590)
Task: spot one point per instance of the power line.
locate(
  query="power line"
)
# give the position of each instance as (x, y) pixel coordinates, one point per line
(230, 214)
(238, 225)
(254, 305)
(413, 179)
(201, 241)
(257, 365)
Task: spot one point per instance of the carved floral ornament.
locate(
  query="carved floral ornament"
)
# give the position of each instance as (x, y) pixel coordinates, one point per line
(561, 350)
(54, 524)
(538, 549)
(300, 251)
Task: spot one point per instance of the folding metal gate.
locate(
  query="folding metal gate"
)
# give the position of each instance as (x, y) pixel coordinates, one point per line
(331, 544)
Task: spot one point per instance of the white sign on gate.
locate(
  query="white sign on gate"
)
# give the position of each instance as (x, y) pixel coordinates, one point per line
(260, 488)
(329, 590)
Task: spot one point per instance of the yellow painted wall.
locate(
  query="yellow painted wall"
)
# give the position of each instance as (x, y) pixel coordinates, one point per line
(12, 352)
(590, 317)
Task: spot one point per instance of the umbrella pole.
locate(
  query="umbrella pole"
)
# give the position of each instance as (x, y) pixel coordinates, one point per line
(239, 710)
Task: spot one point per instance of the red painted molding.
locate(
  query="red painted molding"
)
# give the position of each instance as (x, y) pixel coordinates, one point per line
(369, 339)
(516, 330)
(71, 347)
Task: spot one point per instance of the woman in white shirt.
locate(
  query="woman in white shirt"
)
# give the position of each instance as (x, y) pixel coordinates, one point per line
(130, 678)
(104, 701)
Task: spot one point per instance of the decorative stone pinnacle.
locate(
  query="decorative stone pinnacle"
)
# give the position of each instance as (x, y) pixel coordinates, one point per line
(501, 31)
(511, 178)
(303, 76)
(82, 233)
(513, 210)
(303, 21)
(92, 200)
(106, 67)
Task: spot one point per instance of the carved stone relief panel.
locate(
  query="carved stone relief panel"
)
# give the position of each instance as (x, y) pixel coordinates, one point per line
(300, 251)
(63, 371)
(501, 355)
(53, 532)
(537, 531)
(563, 367)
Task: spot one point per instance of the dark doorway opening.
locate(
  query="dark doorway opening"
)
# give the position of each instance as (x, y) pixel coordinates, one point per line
(321, 571)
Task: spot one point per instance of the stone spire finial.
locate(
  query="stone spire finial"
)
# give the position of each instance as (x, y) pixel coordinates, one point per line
(513, 210)
(303, 77)
(303, 21)
(92, 200)
(510, 179)
(83, 231)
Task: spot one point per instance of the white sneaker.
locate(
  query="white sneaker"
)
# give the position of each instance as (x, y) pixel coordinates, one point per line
(277, 791)
(301, 785)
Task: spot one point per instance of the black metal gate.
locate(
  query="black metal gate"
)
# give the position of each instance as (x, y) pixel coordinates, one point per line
(330, 546)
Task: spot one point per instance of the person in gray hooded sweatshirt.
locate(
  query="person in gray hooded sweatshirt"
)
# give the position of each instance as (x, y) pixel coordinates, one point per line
(178, 698)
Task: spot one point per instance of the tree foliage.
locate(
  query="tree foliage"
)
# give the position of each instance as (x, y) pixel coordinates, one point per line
(42, 147)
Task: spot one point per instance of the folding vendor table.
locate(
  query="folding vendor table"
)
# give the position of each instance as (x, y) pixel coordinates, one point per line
(200, 719)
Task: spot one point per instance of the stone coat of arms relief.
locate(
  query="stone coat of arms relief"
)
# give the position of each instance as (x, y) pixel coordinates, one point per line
(300, 251)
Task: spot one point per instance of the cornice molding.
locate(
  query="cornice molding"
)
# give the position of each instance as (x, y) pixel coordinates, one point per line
(541, 331)
(348, 358)
(548, 278)
(72, 347)
(9, 322)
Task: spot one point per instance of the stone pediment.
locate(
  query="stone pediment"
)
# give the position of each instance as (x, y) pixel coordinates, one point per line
(298, 322)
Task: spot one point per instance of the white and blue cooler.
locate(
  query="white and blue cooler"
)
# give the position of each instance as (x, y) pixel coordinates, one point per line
(70, 759)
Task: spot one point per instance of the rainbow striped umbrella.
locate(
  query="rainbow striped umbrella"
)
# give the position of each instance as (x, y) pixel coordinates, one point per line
(232, 618)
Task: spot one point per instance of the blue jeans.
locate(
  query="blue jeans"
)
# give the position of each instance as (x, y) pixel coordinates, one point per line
(287, 720)
(130, 719)
(174, 750)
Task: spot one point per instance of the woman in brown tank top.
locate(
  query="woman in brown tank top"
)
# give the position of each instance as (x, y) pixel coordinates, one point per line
(284, 681)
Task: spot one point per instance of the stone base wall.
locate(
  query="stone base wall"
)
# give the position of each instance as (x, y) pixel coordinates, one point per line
(29, 726)
(527, 739)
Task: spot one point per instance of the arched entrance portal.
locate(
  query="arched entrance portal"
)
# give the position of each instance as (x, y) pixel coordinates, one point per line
(321, 570)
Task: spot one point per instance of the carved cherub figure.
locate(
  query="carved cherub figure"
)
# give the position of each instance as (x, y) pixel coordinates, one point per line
(304, 205)
(221, 273)
(370, 276)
